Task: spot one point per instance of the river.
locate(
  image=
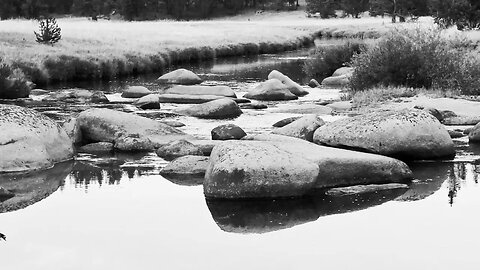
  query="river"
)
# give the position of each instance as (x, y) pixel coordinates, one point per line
(117, 212)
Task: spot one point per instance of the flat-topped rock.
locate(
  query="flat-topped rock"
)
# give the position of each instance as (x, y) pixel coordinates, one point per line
(217, 109)
(105, 125)
(220, 90)
(187, 170)
(30, 141)
(180, 76)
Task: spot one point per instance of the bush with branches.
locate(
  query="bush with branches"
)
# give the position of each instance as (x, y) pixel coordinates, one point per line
(49, 32)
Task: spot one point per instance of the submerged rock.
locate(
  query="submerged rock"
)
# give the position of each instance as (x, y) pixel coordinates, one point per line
(187, 170)
(405, 134)
(105, 125)
(271, 90)
(228, 132)
(135, 92)
(292, 86)
(30, 140)
(240, 169)
(217, 109)
(302, 128)
(352, 190)
(178, 149)
(180, 76)
(221, 90)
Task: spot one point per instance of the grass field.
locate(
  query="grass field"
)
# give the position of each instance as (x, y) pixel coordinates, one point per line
(105, 49)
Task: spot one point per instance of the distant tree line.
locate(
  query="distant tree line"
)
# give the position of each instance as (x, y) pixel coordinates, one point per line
(136, 9)
(465, 14)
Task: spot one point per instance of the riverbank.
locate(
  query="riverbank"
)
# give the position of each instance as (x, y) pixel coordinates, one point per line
(108, 49)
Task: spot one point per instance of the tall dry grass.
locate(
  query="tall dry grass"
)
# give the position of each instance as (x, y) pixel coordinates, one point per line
(107, 49)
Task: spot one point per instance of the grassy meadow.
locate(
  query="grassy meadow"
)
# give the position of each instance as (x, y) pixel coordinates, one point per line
(107, 49)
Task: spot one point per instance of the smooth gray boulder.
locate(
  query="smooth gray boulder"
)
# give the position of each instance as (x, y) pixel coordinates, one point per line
(339, 167)
(228, 132)
(313, 83)
(292, 86)
(217, 109)
(105, 125)
(30, 140)
(302, 128)
(187, 170)
(271, 90)
(148, 102)
(177, 149)
(405, 134)
(135, 92)
(219, 90)
(253, 169)
(180, 76)
(474, 135)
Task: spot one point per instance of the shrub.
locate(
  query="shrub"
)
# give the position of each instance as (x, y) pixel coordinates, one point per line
(415, 58)
(13, 83)
(323, 61)
(49, 32)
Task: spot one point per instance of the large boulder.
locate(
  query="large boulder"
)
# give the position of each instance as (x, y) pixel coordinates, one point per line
(241, 169)
(180, 76)
(220, 90)
(405, 134)
(105, 125)
(474, 135)
(148, 102)
(136, 92)
(271, 90)
(217, 109)
(339, 167)
(30, 140)
(228, 132)
(292, 86)
(302, 128)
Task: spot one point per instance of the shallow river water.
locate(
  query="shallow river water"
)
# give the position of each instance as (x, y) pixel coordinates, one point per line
(117, 212)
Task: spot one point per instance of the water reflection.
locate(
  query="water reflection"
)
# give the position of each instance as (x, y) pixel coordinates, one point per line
(262, 216)
(32, 187)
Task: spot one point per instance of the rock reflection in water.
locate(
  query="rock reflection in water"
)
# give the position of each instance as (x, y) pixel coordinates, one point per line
(32, 187)
(262, 216)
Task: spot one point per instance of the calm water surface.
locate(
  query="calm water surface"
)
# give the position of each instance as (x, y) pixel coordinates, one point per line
(117, 212)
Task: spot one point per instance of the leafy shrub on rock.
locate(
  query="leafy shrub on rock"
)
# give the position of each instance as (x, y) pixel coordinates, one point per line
(325, 60)
(417, 58)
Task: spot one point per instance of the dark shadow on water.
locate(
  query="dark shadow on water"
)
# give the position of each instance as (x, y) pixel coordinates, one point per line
(32, 187)
(263, 216)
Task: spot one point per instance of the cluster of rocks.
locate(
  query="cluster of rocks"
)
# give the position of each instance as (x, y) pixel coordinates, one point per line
(300, 155)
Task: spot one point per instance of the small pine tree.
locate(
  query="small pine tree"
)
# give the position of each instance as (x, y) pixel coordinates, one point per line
(49, 33)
